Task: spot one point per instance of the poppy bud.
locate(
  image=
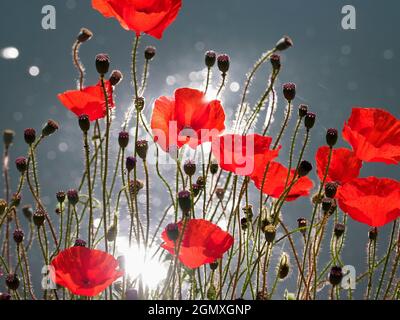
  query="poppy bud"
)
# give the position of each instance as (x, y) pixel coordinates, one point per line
(123, 139)
(130, 163)
(220, 192)
(60, 196)
(210, 58)
(304, 168)
(80, 243)
(57, 211)
(248, 211)
(196, 189)
(200, 181)
(211, 292)
(116, 77)
(5, 296)
(49, 128)
(223, 63)
(112, 233)
(172, 231)
(275, 61)
(326, 204)
(185, 201)
(373, 234)
(190, 168)
(284, 267)
(330, 189)
(244, 224)
(73, 196)
(27, 212)
(18, 235)
(15, 200)
(262, 295)
(38, 217)
(142, 147)
(289, 91)
(102, 63)
(214, 265)
(21, 164)
(270, 233)
(335, 276)
(309, 120)
(284, 43)
(139, 104)
(303, 110)
(30, 135)
(3, 206)
(131, 294)
(339, 229)
(12, 281)
(331, 137)
(214, 167)
(84, 35)
(84, 122)
(135, 186)
(149, 53)
(8, 137)
(302, 223)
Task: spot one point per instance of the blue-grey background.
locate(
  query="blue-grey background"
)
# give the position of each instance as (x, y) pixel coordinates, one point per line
(334, 69)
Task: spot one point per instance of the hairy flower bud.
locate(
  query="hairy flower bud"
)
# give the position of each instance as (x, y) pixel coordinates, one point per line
(309, 120)
(302, 223)
(149, 53)
(135, 186)
(39, 217)
(283, 267)
(130, 163)
(49, 128)
(289, 91)
(3, 206)
(331, 189)
(123, 139)
(21, 164)
(326, 204)
(335, 276)
(339, 229)
(220, 193)
(139, 103)
(8, 137)
(84, 35)
(80, 243)
(172, 231)
(275, 61)
(102, 63)
(185, 201)
(116, 77)
(303, 109)
(16, 199)
(18, 235)
(84, 122)
(190, 168)
(223, 63)
(373, 234)
(196, 189)
(270, 233)
(142, 147)
(12, 281)
(60, 196)
(30, 135)
(73, 197)
(331, 137)
(210, 58)
(284, 43)
(304, 168)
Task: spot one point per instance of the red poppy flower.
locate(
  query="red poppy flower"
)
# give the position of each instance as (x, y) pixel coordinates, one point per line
(344, 166)
(186, 118)
(276, 180)
(373, 201)
(374, 135)
(239, 154)
(84, 271)
(89, 101)
(148, 16)
(203, 242)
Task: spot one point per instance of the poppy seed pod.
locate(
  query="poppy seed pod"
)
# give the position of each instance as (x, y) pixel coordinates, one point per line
(27, 212)
(309, 120)
(21, 164)
(84, 122)
(196, 189)
(139, 104)
(214, 167)
(16, 200)
(3, 206)
(373, 234)
(102, 63)
(60, 196)
(303, 109)
(331, 137)
(18, 235)
(73, 197)
(283, 267)
(80, 243)
(244, 224)
(135, 186)
(116, 77)
(185, 201)
(270, 233)
(190, 168)
(331, 189)
(130, 163)
(12, 281)
(5, 296)
(210, 58)
(289, 91)
(220, 193)
(302, 223)
(123, 139)
(172, 231)
(84, 35)
(335, 276)
(339, 229)
(149, 53)
(214, 265)
(223, 63)
(38, 217)
(200, 181)
(275, 61)
(326, 204)
(142, 147)
(30, 135)
(284, 43)
(131, 294)
(49, 128)
(304, 168)
(8, 137)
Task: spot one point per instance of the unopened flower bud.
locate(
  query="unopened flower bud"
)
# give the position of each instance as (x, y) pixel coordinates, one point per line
(270, 233)
(190, 168)
(116, 77)
(284, 43)
(130, 163)
(123, 139)
(73, 197)
(244, 224)
(80, 243)
(38, 217)
(8, 137)
(210, 58)
(135, 186)
(149, 53)
(84, 122)
(60, 196)
(309, 120)
(331, 189)
(335, 276)
(275, 61)
(139, 104)
(223, 63)
(326, 205)
(200, 181)
(289, 91)
(214, 167)
(142, 147)
(339, 229)
(3, 206)
(248, 211)
(214, 265)
(302, 223)
(373, 234)
(49, 128)
(303, 109)
(30, 135)
(185, 201)
(304, 168)
(16, 199)
(220, 192)
(112, 233)
(84, 35)
(18, 235)
(196, 189)
(331, 137)
(21, 164)
(284, 267)
(12, 281)
(102, 63)
(172, 231)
